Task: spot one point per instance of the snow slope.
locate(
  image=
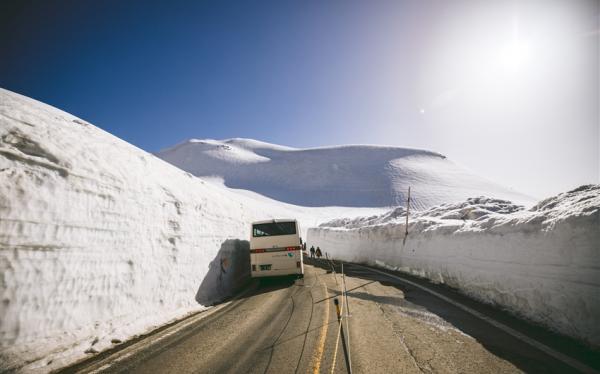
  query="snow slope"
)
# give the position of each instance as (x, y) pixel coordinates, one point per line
(542, 263)
(100, 241)
(353, 175)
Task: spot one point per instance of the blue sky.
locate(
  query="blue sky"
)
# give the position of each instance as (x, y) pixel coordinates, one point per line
(508, 89)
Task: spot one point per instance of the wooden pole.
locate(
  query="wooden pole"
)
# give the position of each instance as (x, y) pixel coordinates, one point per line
(407, 211)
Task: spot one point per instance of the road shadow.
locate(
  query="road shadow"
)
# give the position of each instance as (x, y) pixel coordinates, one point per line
(228, 273)
(228, 278)
(322, 262)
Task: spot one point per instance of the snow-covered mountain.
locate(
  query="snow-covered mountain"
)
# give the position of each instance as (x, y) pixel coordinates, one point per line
(351, 175)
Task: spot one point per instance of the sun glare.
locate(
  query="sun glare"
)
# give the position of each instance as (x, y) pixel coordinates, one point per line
(515, 56)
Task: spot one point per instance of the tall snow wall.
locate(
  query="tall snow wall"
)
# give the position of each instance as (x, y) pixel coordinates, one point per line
(100, 240)
(542, 264)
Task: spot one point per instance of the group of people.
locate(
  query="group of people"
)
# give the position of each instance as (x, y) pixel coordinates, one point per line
(313, 252)
(316, 252)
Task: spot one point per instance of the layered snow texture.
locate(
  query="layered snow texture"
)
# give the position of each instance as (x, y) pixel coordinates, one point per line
(352, 176)
(542, 263)
(100, 241)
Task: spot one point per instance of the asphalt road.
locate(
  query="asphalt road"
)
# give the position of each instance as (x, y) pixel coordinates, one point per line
(393, 324)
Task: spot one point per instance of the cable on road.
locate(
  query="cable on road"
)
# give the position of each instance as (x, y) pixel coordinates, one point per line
(345, 298)
(340, 318)
(272, 346)
(312, 308)
(332, 269)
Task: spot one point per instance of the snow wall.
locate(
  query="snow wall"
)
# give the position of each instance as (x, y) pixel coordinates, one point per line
(542, 264)
(99, 240)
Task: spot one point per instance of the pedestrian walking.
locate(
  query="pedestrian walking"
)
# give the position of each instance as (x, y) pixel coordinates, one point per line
(318, 252)
(312, 251)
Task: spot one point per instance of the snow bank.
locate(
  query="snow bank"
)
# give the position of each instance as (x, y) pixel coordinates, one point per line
(542, 263)
(100, 241)
(352, 176)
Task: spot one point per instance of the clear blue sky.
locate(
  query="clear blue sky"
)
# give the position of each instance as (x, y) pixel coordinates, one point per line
(508, 89)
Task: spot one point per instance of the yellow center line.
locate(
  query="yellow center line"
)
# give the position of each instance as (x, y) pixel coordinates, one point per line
(322, 336)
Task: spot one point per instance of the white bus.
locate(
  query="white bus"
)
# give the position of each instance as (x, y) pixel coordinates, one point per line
(275, 248)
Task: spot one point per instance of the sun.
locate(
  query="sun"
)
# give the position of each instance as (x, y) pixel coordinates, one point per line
(515, 56)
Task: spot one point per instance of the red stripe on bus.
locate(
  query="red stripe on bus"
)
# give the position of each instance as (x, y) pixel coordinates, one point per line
(282, 249)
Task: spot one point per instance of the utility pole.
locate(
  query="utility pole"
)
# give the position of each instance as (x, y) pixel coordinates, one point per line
(407, 212)
(346, 349)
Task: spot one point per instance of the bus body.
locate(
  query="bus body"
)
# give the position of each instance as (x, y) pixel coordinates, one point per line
(275, 248)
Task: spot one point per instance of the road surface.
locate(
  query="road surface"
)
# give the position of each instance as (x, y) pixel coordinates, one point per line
(394, 325)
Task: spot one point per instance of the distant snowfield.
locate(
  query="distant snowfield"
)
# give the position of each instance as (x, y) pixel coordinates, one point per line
(542, 263)
(101, 241)
(350, 175)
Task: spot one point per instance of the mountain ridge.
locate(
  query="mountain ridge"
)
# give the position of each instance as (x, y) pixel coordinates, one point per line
(352, 175)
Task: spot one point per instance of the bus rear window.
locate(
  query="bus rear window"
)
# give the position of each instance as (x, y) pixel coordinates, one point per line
(273, 229)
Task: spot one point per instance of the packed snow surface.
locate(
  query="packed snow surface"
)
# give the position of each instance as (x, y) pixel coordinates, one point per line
(542, 263)
(352, 175)
(101, 241)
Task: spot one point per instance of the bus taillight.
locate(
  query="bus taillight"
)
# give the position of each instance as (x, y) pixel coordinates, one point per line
(297, 264)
